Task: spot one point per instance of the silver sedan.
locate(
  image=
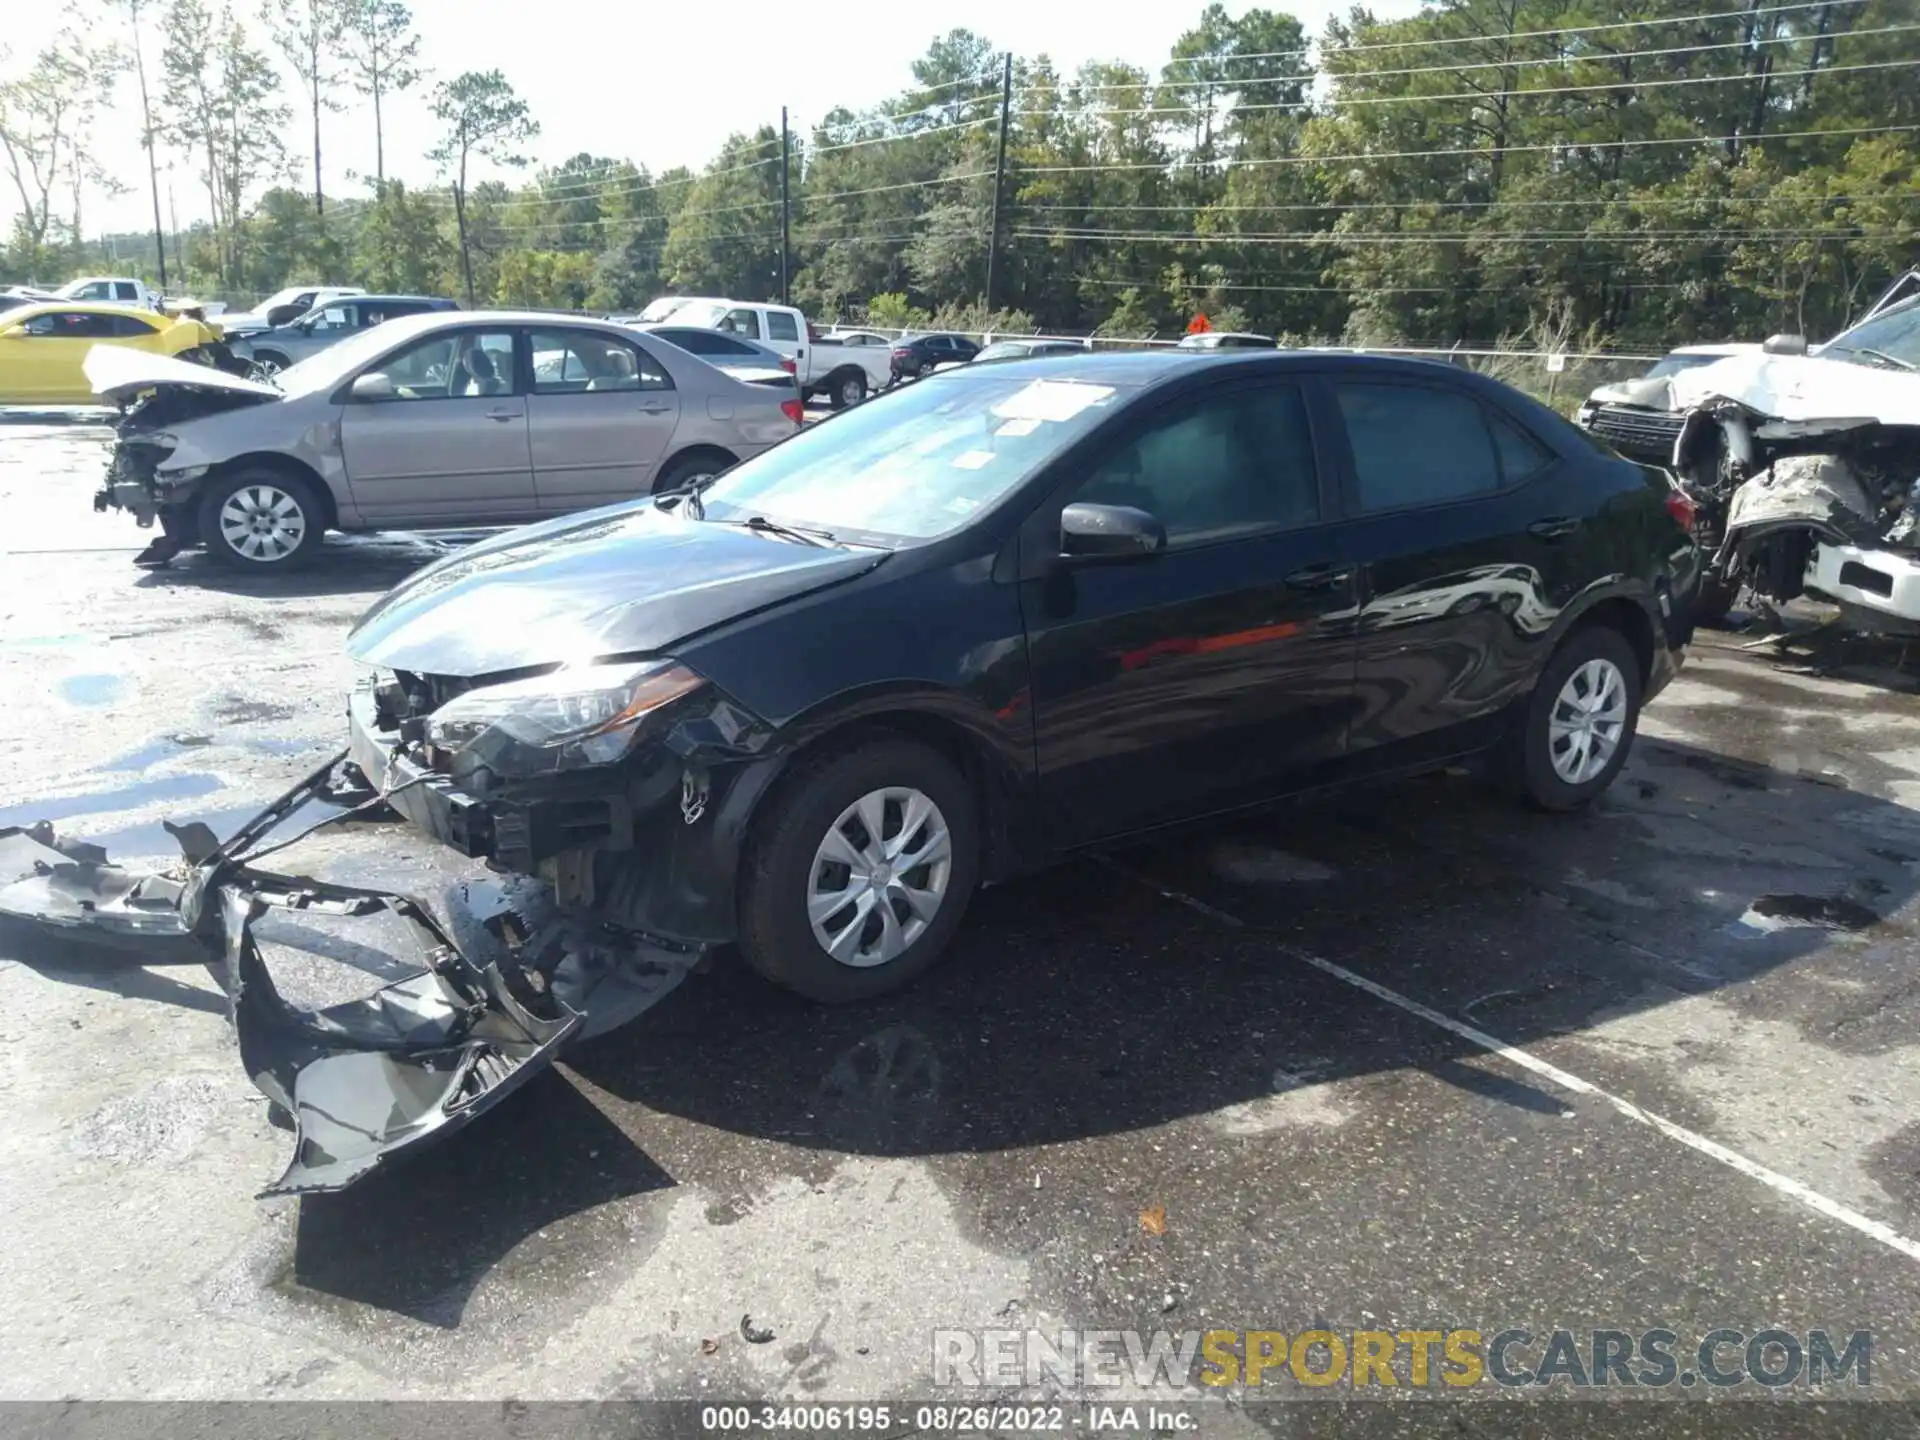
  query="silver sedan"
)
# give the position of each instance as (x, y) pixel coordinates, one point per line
(427, 421)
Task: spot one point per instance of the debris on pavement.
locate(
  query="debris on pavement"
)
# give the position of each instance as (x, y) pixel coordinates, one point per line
(755, 1334)
(417, 1059)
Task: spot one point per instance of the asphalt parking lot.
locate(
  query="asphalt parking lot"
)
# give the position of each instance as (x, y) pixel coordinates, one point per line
(1239, 1079)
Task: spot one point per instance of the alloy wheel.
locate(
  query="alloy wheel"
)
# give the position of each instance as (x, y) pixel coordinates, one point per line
(1588, 720)
(262, 522)
(879, 876)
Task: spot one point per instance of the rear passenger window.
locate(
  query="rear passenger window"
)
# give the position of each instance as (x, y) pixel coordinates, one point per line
(127, 327)
(780, 326)
(1521, 456)
(1413, 445)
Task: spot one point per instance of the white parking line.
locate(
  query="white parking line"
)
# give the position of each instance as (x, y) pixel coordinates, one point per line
(1753, 1169)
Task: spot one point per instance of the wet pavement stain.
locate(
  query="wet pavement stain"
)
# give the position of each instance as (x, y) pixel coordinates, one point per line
(1771, 913)
(92, 691)
(111, 802)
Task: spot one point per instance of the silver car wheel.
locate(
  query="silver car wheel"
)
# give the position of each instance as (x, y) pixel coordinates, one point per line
(262, 522)
(264, 368)
(1588, 720)
(879, 876)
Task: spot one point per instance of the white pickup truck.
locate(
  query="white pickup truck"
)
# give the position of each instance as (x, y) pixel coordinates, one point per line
(845, 374)
(111, 290)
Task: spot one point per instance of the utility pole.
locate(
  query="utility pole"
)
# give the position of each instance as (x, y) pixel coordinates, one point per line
(146, 133)
(786, 208)
(174, 214)
(999, 179)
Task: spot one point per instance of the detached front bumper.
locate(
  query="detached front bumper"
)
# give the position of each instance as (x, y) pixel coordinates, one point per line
(363, 1081)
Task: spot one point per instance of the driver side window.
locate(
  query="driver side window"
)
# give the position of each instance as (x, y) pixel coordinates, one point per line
(1222, 464)
(469, 365)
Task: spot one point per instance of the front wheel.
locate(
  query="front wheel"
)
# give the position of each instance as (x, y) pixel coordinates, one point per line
(1579, 722)
(859, 870)
(266, 364)
(260, 520)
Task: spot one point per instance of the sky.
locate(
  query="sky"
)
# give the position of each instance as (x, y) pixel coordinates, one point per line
(661, 85)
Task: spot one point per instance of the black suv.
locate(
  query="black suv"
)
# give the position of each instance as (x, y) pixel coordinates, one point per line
(915, 355)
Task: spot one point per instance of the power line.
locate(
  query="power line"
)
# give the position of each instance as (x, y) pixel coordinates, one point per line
(1464, 237)
(1370, 100)
(1647, 202)
(1263, 161)
(1429, 42)
(1597, 57)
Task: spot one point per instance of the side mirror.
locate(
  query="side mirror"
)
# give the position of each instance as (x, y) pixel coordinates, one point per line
(281, 314)
(1110, 532)
(372, 387)
(1785, 345)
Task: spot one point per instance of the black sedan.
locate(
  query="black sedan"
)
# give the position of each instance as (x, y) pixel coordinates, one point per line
(916, 355)
(1012, 612)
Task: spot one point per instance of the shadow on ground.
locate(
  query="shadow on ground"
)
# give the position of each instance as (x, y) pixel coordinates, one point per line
(1083, 1002)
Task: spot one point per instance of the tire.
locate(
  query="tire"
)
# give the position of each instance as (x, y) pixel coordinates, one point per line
(265, 364)
(788, 860)
(1532, 771)
(847, 390)
(684, 470)
(261, 520)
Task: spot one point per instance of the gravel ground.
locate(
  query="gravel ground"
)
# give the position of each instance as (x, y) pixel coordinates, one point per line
(1411, 1059)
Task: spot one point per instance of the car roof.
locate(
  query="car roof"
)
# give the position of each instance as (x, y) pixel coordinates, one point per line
(1729, 349)
(1151, 367)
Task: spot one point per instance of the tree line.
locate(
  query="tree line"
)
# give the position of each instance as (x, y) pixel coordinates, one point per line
(1626, 173)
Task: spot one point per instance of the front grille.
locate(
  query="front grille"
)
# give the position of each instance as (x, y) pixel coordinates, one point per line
(1647, 432)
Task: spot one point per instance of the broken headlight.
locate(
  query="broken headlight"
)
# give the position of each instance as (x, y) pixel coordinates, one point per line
(585, 715)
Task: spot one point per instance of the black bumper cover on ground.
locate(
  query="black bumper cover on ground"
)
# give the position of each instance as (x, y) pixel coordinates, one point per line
(413, 1061)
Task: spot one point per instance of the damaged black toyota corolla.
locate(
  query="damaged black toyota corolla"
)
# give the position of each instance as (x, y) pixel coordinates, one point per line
(945, 637)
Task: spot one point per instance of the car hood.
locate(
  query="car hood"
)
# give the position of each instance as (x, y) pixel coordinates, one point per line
(1803, 388)
(117, 374)
(1647, 394)
(629, 579)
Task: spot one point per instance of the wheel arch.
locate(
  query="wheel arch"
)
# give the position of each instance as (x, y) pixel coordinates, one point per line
(702, 448)
(1625, 613)
(946, 726)
(290, 467)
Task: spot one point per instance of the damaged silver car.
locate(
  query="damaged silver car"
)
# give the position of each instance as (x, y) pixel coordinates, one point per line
(424, 422)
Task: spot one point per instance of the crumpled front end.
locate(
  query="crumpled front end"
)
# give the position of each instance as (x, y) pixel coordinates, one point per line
(1810, 471)
(362, 1081)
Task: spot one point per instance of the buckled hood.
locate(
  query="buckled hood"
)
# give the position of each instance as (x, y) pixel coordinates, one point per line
(630, 579)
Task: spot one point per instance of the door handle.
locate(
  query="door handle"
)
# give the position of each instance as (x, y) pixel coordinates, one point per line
(504, 414)
(1320, 577)
(654, 409)
(1556, 527)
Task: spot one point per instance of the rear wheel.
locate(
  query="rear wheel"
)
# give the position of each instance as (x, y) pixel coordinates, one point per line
(858, 870)
(260, 519)
(1579, 722)
(848, 390)
(693, 469)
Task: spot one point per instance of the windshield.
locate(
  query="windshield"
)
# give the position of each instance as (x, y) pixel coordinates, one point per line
(1674, 364)
(703, 313)
(1893, 335)
(284, 297)
(916, 463)
(660, 309)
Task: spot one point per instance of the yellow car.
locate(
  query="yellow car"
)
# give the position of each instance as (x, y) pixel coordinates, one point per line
(41, 346)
